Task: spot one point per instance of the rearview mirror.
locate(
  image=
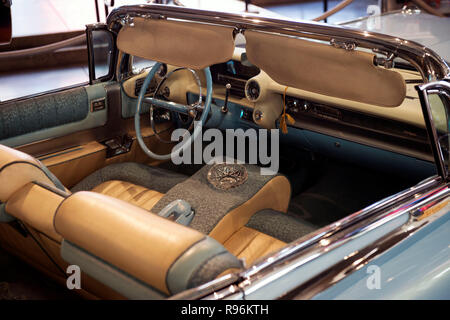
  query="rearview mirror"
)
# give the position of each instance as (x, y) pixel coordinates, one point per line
(5, 21)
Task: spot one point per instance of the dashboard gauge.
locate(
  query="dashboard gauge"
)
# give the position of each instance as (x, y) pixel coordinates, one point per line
(252, 90)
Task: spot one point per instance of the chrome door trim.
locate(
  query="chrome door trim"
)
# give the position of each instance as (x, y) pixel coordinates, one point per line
(376, 211)
(358, 259)
(431, 66)
(441, 88)
(312, 246)
(327, 238)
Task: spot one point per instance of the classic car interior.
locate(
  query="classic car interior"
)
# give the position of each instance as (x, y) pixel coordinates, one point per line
(77, 187)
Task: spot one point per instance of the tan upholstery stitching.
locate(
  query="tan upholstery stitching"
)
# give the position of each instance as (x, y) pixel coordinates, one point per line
(275, 195)
(131, 193)
(251, 244)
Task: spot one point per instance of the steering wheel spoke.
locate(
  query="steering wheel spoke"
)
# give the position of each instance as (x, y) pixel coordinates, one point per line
(189, 110)
(169, 105)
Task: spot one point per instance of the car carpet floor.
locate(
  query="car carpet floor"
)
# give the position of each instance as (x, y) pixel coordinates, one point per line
(18, 281)
(339, 189)
(186, 169)
(324, 190)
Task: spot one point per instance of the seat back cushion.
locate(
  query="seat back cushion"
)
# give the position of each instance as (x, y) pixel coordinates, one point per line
(18, 169)
(165, 255)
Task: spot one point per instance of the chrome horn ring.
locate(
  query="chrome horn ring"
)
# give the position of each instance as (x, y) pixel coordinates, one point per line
(193, 107)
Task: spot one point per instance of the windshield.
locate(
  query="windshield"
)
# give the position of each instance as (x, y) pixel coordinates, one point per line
(428, 30)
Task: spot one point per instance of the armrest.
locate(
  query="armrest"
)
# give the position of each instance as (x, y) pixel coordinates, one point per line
(165, 255)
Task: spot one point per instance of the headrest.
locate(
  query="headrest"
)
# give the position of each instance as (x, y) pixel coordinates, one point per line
(324, 69)
(163, 254)
(182, 44)
(18, 169)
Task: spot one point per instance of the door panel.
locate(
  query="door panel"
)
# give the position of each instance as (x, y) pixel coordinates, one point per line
(72, 165)
(52, 115)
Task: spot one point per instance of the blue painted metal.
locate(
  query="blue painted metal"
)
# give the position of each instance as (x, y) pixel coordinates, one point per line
(416, 268)
(361, 154)
(299, 274)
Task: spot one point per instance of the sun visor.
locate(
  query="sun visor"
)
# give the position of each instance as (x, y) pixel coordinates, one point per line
(324, 69)
(178, 43)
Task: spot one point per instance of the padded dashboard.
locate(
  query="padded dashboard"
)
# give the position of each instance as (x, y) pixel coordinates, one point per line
(398, 129)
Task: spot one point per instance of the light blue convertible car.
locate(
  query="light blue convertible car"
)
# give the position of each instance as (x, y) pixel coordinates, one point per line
(127, 186)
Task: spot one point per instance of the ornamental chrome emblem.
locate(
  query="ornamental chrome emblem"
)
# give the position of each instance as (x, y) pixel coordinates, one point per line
(226, 176)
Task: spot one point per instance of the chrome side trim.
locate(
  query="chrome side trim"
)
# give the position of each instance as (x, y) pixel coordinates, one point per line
(358, 259)
(374, 211)
(431, 66)
(442, 88)
(296, 255)
(216, 285)
(334, 235)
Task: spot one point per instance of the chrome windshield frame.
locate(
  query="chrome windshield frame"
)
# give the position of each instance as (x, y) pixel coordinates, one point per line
(431, 66)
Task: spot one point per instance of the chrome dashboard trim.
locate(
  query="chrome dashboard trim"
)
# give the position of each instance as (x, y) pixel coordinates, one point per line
(431, 66)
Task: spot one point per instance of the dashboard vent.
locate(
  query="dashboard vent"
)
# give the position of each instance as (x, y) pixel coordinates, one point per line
(237, 85)
(234, 73)
(138, 85)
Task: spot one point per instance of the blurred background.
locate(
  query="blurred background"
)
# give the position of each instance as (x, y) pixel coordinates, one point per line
(38, 23)
(33, 17)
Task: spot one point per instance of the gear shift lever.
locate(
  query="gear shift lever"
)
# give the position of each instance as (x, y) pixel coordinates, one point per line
(227, 93)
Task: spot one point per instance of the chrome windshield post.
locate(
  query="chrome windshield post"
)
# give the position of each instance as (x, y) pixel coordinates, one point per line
(442, 90)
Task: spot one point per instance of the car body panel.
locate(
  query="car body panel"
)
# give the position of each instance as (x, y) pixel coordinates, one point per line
(417, 268)
(307, 269)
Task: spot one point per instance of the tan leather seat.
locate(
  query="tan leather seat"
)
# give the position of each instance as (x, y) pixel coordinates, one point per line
(250, 244)
(167, 257)
(246, 242)
(19, 171)
(129, 192)
(31, 193)
(34, 196)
